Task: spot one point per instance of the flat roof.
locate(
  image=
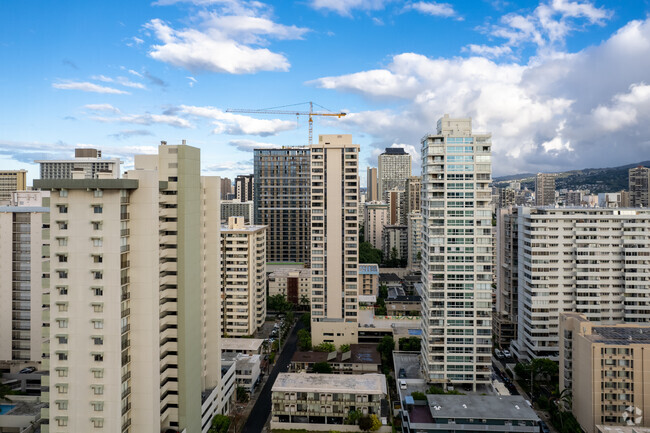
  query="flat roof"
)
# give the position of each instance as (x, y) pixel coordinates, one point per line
(241, 343)
(389, 277)
(302, 272)
(637, 334)
(512, 407)
(86, 183)
(621, 429)
(359, 354)
(372, 383)
(24, 209)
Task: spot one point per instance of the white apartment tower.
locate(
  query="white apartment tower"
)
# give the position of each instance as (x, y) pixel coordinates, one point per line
(393, 169)
(375, 218)
(87, 161)
(244, 277)
(456, 254)
(134, 335)
(592, 261)
(334, 239)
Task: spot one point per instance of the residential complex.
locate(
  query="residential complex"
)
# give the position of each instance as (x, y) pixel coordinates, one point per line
(88, 161)
(375, 215)
(413, 191)
(360, 359)
(226, 188)
(368, 279)
(585, 260)
(507, 277)
(231, 208)
(394, 168)
(243, 252)
(545, 189)
(133, 305)
(245, 187)
(457, 254)
(396, 199)
(639, 181)
(322, 401)
(606, 369)
(282, 197)
(11, 180)
(395, 242)
(334, 239)
(414, 234)
(371, 184)
(24, 260)
(295, 284)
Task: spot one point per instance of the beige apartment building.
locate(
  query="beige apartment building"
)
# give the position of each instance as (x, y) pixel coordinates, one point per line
(294, 284)
(606, 368)
(334, 239)
(86, 160)
(134, 298)
(371, 184)
(11, 180)
(368, 279)
(24, 259)
(639, 183)
(243, 249)
(393, 169)
(413, 191)
(414, 228)
(545, 189)
(375, 218)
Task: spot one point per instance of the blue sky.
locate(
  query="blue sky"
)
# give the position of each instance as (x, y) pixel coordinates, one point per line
(561, 84)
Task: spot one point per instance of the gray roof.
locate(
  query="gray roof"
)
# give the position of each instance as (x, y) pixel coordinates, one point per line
(622, 334)
(24, 209)
(512, 407)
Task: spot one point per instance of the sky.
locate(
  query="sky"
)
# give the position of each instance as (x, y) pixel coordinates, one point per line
(560, 84)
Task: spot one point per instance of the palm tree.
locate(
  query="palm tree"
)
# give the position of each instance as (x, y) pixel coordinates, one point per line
(562, 400)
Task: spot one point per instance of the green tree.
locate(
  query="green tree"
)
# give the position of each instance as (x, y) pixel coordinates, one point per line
(369, 254)
(322, 367)
(369, 423)
(353, 417)
(220, 424)
(242, 394)
(344, 348)
(385, 348)
(325, 347)
(278, 303)
(290, 319)
(304, 302)
(304, 340)
(410, 344)
(418, 395)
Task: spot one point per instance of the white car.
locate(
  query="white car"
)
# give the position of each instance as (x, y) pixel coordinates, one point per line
(498, 353)
(506, 353)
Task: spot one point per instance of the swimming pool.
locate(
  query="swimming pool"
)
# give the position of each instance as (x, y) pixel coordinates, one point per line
(4, 408)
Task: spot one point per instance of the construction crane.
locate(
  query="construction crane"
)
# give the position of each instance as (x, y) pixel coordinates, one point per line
(276, 110)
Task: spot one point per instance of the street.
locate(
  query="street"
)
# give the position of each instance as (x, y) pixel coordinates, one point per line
(262, 409)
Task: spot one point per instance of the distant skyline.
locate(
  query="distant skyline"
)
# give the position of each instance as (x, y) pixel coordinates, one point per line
(560, 84)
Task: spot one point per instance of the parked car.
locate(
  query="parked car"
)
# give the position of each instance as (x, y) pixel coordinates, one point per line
(27, 370)
(402, 384)
(498, 353)
(506, 353)
(402, 373)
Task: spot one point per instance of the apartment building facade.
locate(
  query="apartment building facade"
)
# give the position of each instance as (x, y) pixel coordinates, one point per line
(86, 160)
(414, 229)
(639, 182)
(393, 169)
(371, 184)
(282, 197)
(244, 277)
(245, 187)
(457, 254)
(413, 192)
(586, 260)
(10, 181)
(375, 218)
(507, 277)
(295, 284)
(334, 239)
(545, 189)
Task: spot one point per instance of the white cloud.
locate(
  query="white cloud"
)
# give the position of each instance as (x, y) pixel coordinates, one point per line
(231, 38)
(146, 119)
(489, 51)
(250, 145)
(136, 73)
(102, 107)
(433, 8)
(85, 86)
(119, 80)
(571, 110)
(345, 7)
(237, 124)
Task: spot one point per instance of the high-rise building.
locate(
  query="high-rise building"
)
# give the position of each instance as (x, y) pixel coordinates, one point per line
(395, 242)
(230, 208)
(394, 167)
(574, 198)
(583, 260)
(87, 161)
(414, 240)
(244, 277)
(545, 189)
(11, 180)
(605, 368)
(507, 197)
(413, 191)
(24, 258)
(226, 188)
(245, 187)
(282, 197)
(639, 180)
(375, 217)
(334, 239)
(396, 199)
(456, 254)
(371, 184)
(134, 329)
(507, 279)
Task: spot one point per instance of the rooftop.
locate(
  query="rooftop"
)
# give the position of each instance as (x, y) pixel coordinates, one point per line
(512, 407)
(243, 344)
(389, 277)
(368, 269)
(284, 273)
(300, 382)
(359, 354)
(29, 209)
(394, 151)
(622, 334)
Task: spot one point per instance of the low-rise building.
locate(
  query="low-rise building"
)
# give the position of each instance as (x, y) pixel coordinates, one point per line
(295, 284)
(395, 239)
(247, 369)
(247, 346)
(468, 413)
(606, 367)
(369, 279)
(218, 400)
(360, 359)
(232, 208)
(403, 305)
(321, 402)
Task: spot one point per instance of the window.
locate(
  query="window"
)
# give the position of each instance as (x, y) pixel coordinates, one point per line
(63, 193)
(62, 388)
(62, 371)
(98, 341)
(98, 373)
(62, 404)
(97, 275)
(98, 291)
(63, 323)
(98, 422)
(63, 225)
(98, 193)
(97, 208)
(62, 208)
(63, 258)
(62, 274)
(62, 356)
(98, 389)
(97, 225)
(62, 241)
(98, 357)
(98, 406)
(63, 306)
(63, 290)
(98, 324)
(97, 258)
(97, 242)
(61, 421)
(98, 308)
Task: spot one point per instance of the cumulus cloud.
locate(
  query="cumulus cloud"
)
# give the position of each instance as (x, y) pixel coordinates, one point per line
(128, 133)
(86, 86)
(114, 115)
(230, 166)
(237, 124)
(102, 108)
(250, 145)
(433, 8)
(229, 39)
(571, 110)
(345, 7)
